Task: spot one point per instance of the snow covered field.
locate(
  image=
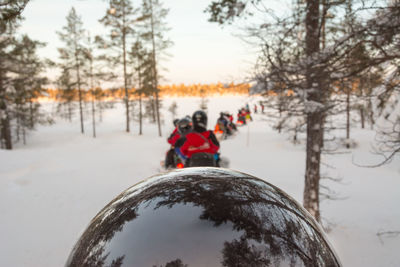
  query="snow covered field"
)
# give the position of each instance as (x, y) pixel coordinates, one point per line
(53, 186)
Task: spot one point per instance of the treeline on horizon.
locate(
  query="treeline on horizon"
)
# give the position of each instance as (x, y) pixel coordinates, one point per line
(179, 90)
(175, 90)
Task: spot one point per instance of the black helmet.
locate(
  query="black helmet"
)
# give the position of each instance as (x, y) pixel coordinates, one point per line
(203, 217)
(176, 122)
(199, 119)
(184, 126)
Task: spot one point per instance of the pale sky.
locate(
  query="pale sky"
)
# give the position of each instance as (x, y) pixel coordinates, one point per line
(203, 52)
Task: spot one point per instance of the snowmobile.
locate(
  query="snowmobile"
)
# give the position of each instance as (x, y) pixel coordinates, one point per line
(178, 162)
(232, 125)
(207, 160)
(202, 160)
(174, 163)
(224, 132)
(197, 160)
(241, 122)
(221, 132)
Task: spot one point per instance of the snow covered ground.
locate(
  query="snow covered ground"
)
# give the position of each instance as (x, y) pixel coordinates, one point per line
(53, 186)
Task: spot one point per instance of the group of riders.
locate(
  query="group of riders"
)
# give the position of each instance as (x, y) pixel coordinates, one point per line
(225, 126)
(192, 145)
(244, 115)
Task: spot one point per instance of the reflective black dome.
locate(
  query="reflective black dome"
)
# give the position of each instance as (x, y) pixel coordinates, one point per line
(203, 217)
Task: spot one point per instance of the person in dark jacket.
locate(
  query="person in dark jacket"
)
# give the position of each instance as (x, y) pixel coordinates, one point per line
(199, 140)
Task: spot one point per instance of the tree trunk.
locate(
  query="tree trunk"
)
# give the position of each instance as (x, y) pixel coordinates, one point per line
(6, 131)
(313, 159)
(24, 135)
(158, 114)
(93, 99)
(347, 116)
(79, 91)
(314, 119)
(140, 114)
(323, 46)
(323, 23)
(125, 75)
(371, 113)
(17, 130)
(362, 116)
(31, 123)
(5, 128)
(140, 95)
(155, 84)
(93, 116)
(69, 111)
(153, 108)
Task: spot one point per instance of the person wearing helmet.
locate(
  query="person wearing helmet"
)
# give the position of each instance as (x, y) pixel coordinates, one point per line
(222, 120)
(199, 142)
(183, 126)
(169, 156)
(231, 124)
(240, 117)
(224, 124)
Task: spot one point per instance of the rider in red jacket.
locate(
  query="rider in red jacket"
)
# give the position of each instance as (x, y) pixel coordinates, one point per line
(175, 134)
(183, 126)
(199, 140)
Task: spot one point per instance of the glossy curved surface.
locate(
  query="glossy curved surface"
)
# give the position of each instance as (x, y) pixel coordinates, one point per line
(202, 217)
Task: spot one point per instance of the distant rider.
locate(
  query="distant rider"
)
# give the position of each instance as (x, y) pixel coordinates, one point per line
(224, 124)
(241, 116)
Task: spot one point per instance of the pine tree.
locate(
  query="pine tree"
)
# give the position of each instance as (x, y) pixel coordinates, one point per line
(27, 84)
(10, 13)
(90, 74)
(72, 54)
(5, 82)
(155, 28)
(138, 59)
(15, 91)
(120, 18)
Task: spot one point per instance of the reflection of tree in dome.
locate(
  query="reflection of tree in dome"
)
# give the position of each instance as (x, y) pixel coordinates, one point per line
(175, 263)
(103, 228)
(97, 259)
(241, 253)
(289, 237)
(274, 230)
